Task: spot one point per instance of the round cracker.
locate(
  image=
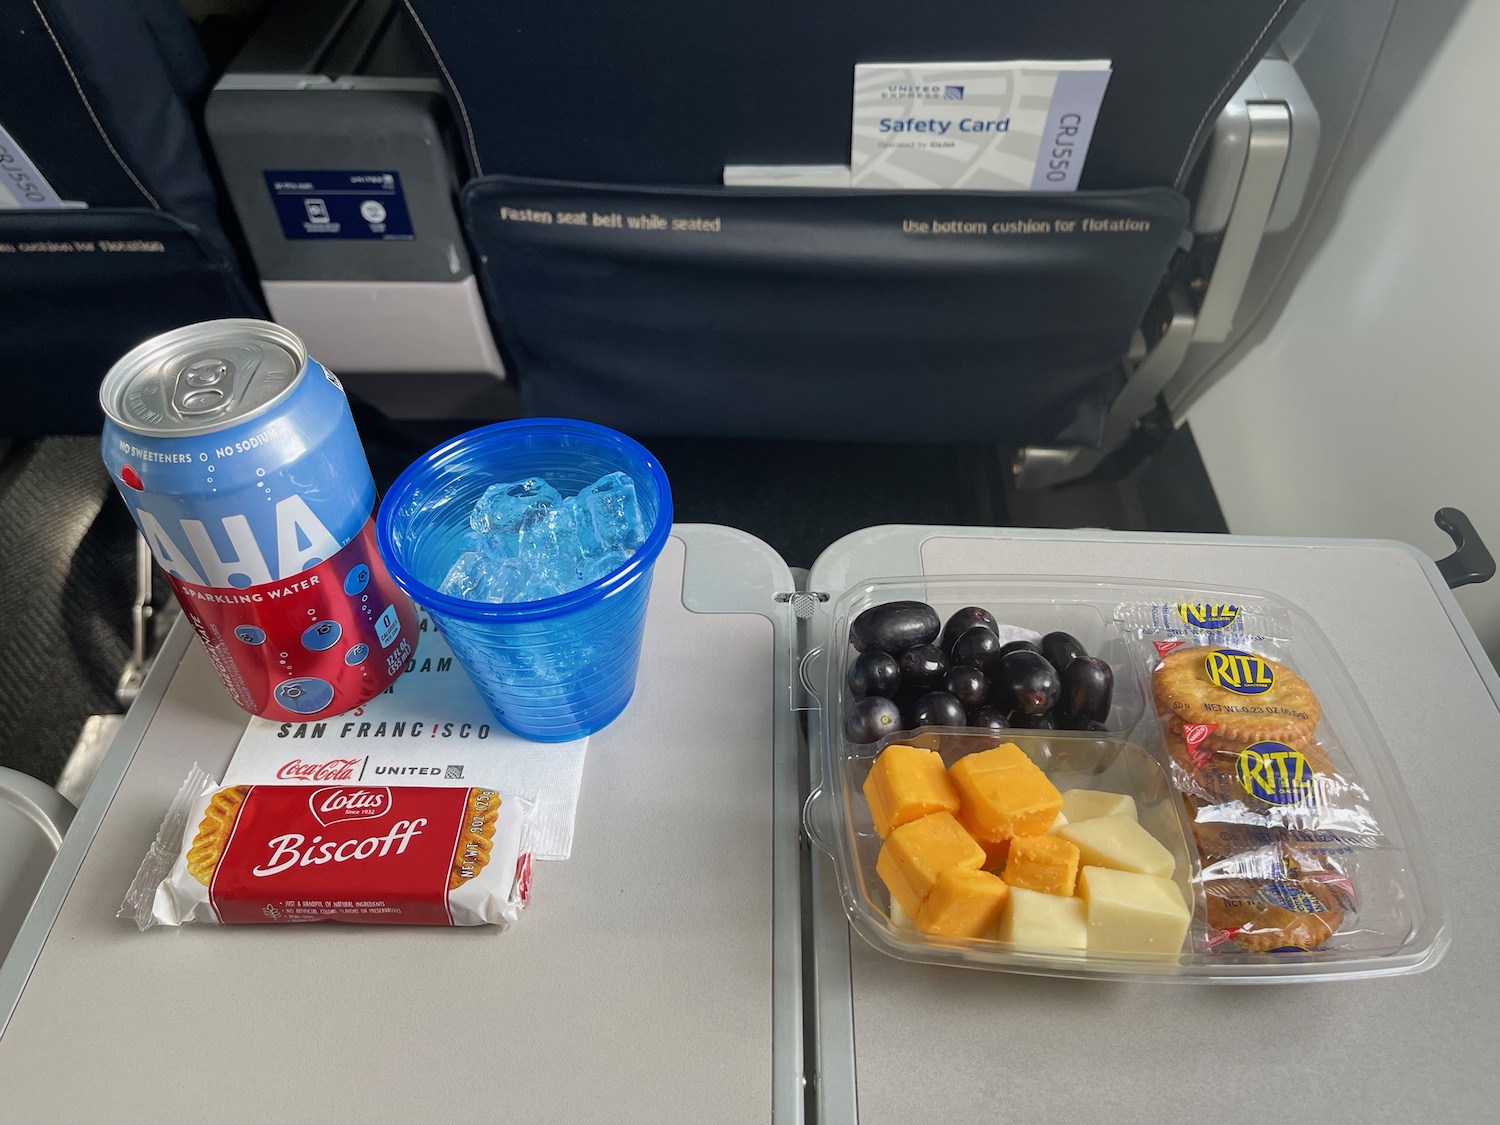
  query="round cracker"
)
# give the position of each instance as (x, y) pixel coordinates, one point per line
(1263, 927)
(1208, 777)
(1317, 757)
(1287, 712)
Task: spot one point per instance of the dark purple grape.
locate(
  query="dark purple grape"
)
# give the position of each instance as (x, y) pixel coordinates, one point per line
(922, 667)
(1023, 681)
(987, 718)
(871, 719)
(874, 673)
(967, 685)
(970, 617)
(894, 627)
(1061, 649)
(1018, 646)
(1032, 722)
(1088, 688)
(976, 648)
(938, 709)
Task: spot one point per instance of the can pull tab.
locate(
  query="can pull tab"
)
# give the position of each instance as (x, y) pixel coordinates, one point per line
(204, 387)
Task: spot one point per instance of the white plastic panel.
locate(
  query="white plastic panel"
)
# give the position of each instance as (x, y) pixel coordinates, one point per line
(421, 327)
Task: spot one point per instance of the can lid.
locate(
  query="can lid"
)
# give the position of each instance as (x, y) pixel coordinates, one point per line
(203, 377)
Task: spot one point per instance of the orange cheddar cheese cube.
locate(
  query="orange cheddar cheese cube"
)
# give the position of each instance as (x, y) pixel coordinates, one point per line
(1042, 863)
(1002, 793)
(906, 783)
(915, 854)
(1003, 757)
(962, 903)
(995, 851)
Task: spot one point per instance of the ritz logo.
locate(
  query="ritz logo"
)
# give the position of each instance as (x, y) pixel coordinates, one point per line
(1239, 672)
(1275, 773)
(1212, 617)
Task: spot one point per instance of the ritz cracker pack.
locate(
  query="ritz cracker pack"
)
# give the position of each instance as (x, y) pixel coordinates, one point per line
(1277, 813)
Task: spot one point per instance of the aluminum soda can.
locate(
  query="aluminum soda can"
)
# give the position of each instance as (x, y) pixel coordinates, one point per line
(237, 455)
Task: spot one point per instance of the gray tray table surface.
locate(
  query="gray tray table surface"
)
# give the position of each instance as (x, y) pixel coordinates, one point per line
(899, 1042)
(639, 986)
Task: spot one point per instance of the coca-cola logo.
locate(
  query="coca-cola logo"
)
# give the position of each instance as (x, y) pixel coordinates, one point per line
(336, 804)
(339, 769)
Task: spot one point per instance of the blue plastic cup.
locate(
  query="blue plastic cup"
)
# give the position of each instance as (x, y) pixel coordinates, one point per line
(554, 669)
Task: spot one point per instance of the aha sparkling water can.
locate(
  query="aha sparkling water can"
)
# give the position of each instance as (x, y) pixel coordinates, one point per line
(237, 455)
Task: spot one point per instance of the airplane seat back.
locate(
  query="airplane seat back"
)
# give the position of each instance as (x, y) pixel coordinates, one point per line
(628, 285)
(110, 223)
(34, 818)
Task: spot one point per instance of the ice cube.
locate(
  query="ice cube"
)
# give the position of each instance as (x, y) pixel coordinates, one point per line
(527, 543)
(595, 568)
(503, 506)
(547, 535)
(547, 545)
(536, 584)
(479, 577)
(608, 515)
(504, 581)
(464, 576)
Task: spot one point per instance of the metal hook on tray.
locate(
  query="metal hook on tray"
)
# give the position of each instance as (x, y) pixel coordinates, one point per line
(1471, 562)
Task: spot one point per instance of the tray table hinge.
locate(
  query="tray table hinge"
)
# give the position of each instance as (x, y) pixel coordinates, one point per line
(802, 695)
(803, 602)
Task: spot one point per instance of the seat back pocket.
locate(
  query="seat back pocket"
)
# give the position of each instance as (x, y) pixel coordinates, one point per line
(821, 314)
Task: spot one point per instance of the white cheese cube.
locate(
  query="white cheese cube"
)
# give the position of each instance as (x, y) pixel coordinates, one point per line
(1132, 913)
(1056, 824)
(1033, 920)
(1089, 804)
(1118, 842)
(899, 917)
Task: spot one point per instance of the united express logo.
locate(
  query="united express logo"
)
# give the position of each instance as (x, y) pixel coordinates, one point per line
(1275, 773)
(1213, 617)
(1239, 672)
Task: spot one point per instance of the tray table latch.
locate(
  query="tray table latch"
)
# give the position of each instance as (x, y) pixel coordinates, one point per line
(1471, 561)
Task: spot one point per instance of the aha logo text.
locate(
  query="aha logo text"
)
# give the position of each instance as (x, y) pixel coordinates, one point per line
(1203, 616)
(1239, 672)
(301, 541)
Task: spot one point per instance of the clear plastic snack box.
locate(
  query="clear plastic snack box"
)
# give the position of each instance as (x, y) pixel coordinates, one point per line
(1397, 924)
